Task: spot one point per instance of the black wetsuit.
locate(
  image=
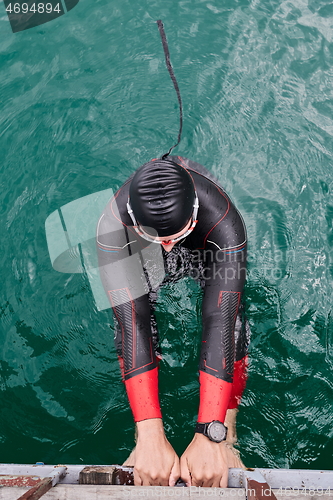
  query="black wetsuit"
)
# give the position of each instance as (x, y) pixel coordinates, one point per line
(133, 269)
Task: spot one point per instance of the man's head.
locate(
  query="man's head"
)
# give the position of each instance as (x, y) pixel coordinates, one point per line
(162, 197)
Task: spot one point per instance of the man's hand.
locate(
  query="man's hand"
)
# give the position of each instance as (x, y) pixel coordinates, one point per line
(155, 461)
(205, 463)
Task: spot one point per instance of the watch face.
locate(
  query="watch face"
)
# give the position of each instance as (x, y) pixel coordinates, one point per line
(216, 431)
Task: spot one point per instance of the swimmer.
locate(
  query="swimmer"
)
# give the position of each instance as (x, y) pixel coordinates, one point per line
(175, 208)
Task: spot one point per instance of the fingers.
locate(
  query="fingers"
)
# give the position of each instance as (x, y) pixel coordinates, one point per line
(130, 461)
(214, 477)
(207, 481)
(158, 478)
(156, 463)
(216, 482)
(175, 472)
(137, 478)
(185, 472)
(233, 457)
(224, 480)
(193, 474)
(196, 476)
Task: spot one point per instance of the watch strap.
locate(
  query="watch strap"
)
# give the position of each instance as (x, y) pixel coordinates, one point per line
(201, 428)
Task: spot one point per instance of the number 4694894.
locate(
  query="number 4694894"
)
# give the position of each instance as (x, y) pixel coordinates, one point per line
(40, 8)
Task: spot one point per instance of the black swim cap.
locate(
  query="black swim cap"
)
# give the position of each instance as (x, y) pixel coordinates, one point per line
(162, 197)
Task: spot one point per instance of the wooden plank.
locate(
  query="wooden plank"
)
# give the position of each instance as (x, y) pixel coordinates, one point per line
(93, 492)
(256, 486)
(304, 479)
(97, 475)
(29, 475)
(198, 493)
(38, 490)
(14, 480)
(309, 495)
(298, 478)
(111, 474)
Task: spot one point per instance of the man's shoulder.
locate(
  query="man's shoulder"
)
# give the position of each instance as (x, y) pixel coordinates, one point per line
(115, 213)
(207, 184)
(195, 167)
(217, 213)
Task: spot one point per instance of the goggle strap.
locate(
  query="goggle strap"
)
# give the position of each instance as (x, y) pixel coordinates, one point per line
(130, 213)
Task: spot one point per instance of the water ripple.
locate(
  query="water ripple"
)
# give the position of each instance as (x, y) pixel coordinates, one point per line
(79, 98)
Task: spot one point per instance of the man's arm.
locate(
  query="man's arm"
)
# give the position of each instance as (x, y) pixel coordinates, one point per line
(206, 463)
(124, 281)
(156, 463)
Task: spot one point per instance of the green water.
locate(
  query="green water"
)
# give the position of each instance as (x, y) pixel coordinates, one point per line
(86, 99)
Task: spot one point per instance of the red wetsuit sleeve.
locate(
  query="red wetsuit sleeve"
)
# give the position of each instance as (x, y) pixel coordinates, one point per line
(239, 382)
(142, 392)
(214, 398)
(216, 395)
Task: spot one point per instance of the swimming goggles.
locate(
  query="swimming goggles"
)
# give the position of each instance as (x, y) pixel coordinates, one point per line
(147, 237)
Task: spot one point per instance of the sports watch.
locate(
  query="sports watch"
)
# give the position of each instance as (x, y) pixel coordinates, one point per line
(215, 430)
